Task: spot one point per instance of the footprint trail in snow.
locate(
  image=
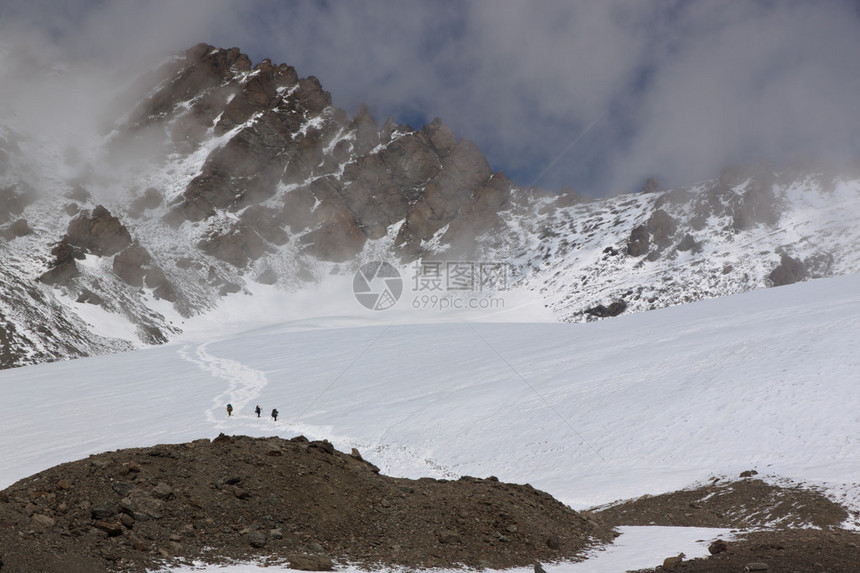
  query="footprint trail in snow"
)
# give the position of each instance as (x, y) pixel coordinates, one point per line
(244, 383)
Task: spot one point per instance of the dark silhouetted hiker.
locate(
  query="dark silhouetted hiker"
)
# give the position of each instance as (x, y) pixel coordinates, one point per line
(258, 411)
(229, 409)
(275, 414)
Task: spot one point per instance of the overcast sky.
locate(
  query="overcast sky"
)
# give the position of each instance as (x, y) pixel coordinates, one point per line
(596, 95)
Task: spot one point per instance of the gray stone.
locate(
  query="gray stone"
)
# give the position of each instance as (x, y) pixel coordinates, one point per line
(256, 539)
(43, 520)
(103, 511)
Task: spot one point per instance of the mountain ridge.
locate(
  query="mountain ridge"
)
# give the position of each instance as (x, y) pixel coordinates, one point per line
(226, 173)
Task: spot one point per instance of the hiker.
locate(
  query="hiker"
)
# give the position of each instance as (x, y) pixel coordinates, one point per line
(275, 414)
(229, 409)
(258, 410)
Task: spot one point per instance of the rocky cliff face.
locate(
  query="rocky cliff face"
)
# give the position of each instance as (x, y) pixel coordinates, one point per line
(228, 174)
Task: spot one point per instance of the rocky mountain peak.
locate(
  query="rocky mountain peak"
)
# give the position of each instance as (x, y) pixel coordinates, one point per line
(233, 173)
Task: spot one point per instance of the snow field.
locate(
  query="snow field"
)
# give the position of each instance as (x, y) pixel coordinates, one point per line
(591, 413)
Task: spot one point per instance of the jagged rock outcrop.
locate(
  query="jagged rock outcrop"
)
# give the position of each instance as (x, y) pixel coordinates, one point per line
(789, 271)
(98, 232)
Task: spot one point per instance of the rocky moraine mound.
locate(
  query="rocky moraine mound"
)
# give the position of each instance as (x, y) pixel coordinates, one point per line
(284, 501)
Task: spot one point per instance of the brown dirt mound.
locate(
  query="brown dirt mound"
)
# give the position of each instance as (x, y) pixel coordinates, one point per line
(806, 550)
(739, 504)
(788, 512)
(295, 501)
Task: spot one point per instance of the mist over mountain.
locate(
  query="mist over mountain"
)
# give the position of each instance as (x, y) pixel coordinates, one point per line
(145, 202)
(594, 95)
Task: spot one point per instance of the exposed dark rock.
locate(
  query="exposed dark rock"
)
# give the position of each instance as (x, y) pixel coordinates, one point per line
(79, 194)
(267, 277)
(150, 199)
(338, 239)
(88, 296)
(98, 232)
(265, 221)
(130, 264)
(158, 281)
(311, 563)
(366, 131)
(441, 137)
(639, 241)
(662, 227)
(688, 243)
(236, 245)
(718, 546)
(614, 309)
(13, 200)
(63, 267)
(758, 203)
(568, 196)
(651, 186)
(788, 271)
(672, 563)
(256, 539)
(19, 228)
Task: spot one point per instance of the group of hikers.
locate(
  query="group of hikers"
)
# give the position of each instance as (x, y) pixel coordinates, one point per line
(257, 411)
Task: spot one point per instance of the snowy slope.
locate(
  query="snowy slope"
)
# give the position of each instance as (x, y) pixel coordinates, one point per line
(591, 413)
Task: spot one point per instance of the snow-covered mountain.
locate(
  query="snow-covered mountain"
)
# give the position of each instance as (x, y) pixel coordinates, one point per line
(228, 177)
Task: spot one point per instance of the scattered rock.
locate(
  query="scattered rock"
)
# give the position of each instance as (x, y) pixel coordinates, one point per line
(718, 546)
(112, 528)
(756, 567)
(42, 520)
(162, 491)
(123, 488)
(256, 539)
(449, 537)
(311, 563)
(672, 563)
(104, 511)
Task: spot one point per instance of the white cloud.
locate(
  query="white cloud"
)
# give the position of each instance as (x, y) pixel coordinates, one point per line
(681, 88)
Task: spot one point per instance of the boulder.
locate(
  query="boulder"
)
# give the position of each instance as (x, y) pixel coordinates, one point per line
(688, 243)
(614, 309)
(63, 267)
(130, 263)
(104, 511)
(672, 563)
(256, 539)
(718, 546)
(661, 226)
(311, 563)
(98, 232)
(639, 241)
(19, 228)
(43, 520)
(788, 271)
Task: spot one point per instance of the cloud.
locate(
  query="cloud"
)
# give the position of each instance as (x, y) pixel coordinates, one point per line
(597, 95)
